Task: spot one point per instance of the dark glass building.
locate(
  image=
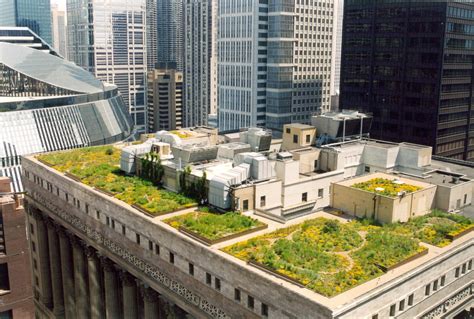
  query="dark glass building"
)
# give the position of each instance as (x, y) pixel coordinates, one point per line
(34, 14)
(410, 63)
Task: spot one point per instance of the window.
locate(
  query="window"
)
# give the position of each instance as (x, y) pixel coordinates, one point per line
(97, 214)
(35, 264)
(191, 269)
(32, 229)
(4, 280)
(217, 284)
(321, 192)
(376, 316)
(8, 314)
(171, 258)
(250, 302)
(107, 220)
(465, 199)
(124, 230)
(137, 238)
(288, 130)
(87, 208)
(33, 246)
(469, 265)
(443, 281)
(208, 278)
(304, 197)
(308, 138)
(401, 306)
(245, 205)
(435, 285)
(157, 249)
(392, 311)
(463, 269)
(262, 201)
(295, 138)
(456, 273)
(410, 299)
(367, 169)
(427, 290)
(264, 310)
(150, 245)
(236, 294)
(113, 223)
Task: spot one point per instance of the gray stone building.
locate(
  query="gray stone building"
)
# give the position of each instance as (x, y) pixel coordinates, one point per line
(97, 255)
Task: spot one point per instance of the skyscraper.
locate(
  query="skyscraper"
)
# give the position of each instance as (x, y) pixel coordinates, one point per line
(151, 33)
(336, 49)
(109, 40)
(410, 64)
(274, 62)
(171, 32)
(200, 61)
(165, 98)
(59, 30)
(34, 14)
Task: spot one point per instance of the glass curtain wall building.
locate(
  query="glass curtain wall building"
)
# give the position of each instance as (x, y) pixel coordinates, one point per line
(410, 63)
(34, 14)
(274, 62)
(49, 104)
(171, 33)
(108, 38)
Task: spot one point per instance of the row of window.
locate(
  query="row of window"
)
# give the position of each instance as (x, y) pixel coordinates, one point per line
(139, 239)
(432, 287)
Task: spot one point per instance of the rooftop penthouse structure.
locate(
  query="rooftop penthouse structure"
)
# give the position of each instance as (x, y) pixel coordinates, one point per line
(270, 245)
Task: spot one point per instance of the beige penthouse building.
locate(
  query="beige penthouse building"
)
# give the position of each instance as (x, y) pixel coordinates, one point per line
(96, 256)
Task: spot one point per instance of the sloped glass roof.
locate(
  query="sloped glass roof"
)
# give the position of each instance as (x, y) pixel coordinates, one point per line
(49, 69)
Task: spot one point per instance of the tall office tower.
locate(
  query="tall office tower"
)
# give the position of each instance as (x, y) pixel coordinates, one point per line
(15, 279)
(274, 62)
(336, 49)
(108, 38)
(59, 30)
(34, 14)
(410, 64)
(200, 61)
(171, 32)
(165, 98)
(151, 33)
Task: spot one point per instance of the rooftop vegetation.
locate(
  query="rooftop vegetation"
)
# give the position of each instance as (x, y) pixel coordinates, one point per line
(99, 167)
(386, 187)
(212, 225)
(327, 256)
(437, 228)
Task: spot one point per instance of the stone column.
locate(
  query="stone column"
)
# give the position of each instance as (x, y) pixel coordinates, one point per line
(129, 287)
(67, 272)
(111, 294)
(151, 304)
(46, 295)
(55, 266)
(95, 291)
(80, 280)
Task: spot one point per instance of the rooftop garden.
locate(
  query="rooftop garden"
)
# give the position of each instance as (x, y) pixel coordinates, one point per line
(437, 228)
(215, 226)
(327, 256)
(386, 187)
(99, 167)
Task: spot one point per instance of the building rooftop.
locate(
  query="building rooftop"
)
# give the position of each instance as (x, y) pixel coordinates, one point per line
(337, 259)
(299, 126)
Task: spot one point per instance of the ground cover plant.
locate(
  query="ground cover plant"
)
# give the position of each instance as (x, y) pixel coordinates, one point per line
(437, 228)
(385, 187)
(213, 225)
(327, 256)
(99, 167)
